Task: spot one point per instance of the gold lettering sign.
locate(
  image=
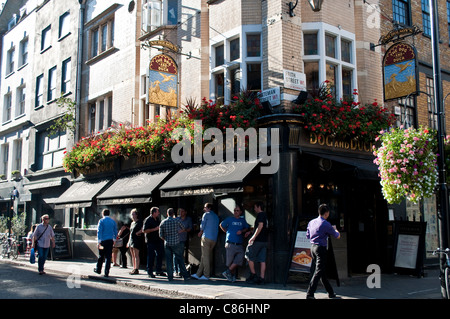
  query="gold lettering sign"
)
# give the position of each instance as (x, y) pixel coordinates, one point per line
(330, 141)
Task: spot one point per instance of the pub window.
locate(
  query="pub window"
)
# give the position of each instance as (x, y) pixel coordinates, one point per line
(401, 12)
(253, 45)
(235, 77)
(310, 43)
(432, 112)
(219, 50)
(331, 77)
(254, 76)
(426, 18)
(312, 77)
(346, 51)
(330, 46)
(407, 116)
(234, 49)
(219, 88)
(347, 87)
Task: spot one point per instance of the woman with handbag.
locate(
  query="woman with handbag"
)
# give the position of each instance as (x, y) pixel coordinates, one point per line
(43, 236)
(136, 242)
(121, 245)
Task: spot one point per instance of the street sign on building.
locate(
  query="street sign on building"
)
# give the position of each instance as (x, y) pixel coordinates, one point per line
(294, 80)
(272, 96)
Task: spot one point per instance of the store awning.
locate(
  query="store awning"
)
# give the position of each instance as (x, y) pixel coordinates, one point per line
(364, 168)
(80, 194)
(132, 189)
(207, 179)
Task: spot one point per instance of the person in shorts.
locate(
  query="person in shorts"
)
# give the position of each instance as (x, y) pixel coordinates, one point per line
(235, 227)
(257, 245)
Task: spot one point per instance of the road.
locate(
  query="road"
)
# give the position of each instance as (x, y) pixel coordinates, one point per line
(18, 282)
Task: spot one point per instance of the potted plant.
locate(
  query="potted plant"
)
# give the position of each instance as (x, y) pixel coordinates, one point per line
(407, 161)
(15, 174)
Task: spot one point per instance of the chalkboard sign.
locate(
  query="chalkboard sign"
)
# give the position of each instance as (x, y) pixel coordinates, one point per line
(409, 246)
(62, 244)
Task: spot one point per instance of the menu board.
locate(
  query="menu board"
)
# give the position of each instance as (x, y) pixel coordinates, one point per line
(301, 256)
(407, 248)
(62, 244)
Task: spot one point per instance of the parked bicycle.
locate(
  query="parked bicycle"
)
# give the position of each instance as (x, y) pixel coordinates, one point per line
(9, 247)
(446, 279)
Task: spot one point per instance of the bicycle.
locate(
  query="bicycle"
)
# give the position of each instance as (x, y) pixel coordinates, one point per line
(10, 248)
(446, 278)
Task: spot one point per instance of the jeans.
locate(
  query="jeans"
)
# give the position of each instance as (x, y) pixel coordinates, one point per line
(176, 268)
(155, 250)
(105, 255)
(318, 270)
(175, 253)
(43, 253)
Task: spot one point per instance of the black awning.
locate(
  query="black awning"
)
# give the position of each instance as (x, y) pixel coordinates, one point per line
(207, 179)
(132, 189)
(364, 168)
(80, 194)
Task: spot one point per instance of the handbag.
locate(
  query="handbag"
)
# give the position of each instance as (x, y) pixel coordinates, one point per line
(32, 256)
(118, 243)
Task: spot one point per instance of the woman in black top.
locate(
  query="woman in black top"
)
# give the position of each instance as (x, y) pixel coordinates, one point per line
(135, 243)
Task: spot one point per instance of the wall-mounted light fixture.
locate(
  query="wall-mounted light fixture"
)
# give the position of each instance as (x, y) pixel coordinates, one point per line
(316, 5)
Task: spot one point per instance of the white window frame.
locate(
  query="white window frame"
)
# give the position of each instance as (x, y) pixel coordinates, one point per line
(20, 99)
(39, 93)
(155, 13)
(46, 40)
(7, 108)
(229, 66)
(64, 25)
(4, 159)
(23, 54)
(54, 145)
(51, 88)
(10, 60)
(17, 151)
(96, 37)
(323, 29)
(103, 106)
(66, 74)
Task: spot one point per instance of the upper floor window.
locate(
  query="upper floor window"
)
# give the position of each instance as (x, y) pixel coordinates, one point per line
(39, 93)
(10, 60)
(432, 112)
(64, 26)
(4, 159)
(156, 13)
(65, 76)
(51, 93)
(101, 37)
(100, 114)
(23, 55)
(401, 11)
(46, 38)
(426, 17)
(7, 107)
(329, 55)
(20, 100)
(51, 147)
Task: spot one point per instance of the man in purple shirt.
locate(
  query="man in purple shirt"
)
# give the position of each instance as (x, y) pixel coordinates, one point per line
(317, 233)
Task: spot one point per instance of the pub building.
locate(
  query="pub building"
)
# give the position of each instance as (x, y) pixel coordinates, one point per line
(313, 169)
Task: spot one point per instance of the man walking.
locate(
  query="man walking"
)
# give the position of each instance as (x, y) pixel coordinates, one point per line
(42, 237)
(209, 229)
(317, 232)
(168, 231)
(106, 235)
(155, 245)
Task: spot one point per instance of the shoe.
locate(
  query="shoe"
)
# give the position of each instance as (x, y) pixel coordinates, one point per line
(227, 275)
(310, 297)
(203, 278)
(334, 296)
(151, 275)
(195, 276)
(260, 281)
(233, 278)
(251, 278)
(160, 273)
(134, 272)
(116, 265)
(106, 275)
(96, 271)
(187, 278)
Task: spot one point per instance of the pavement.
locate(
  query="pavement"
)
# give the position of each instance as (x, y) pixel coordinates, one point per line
(391, 286)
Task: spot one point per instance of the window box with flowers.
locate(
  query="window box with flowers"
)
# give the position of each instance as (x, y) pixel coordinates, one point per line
(407, 161)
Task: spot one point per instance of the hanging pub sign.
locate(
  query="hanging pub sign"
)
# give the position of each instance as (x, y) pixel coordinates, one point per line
(400, 77)
(163, 80)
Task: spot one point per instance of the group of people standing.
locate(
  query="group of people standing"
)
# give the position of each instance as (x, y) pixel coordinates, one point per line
(169, 238)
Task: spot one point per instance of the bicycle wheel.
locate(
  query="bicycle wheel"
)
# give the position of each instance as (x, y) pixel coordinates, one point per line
(14, 252)
(447, 281)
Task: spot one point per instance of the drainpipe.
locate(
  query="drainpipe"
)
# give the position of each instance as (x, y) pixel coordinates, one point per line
(79, 65)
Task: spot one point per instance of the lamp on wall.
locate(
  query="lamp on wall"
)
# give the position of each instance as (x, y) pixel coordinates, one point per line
(316, 5)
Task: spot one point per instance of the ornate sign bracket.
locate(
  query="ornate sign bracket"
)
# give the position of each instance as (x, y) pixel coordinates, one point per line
(399, 34)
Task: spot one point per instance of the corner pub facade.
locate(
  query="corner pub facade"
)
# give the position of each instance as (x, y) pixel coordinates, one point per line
(261, 45)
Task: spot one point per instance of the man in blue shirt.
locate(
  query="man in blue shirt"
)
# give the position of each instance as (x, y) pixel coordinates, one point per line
(317, 232)
(235, 226)
(209, 229)
(106, 236)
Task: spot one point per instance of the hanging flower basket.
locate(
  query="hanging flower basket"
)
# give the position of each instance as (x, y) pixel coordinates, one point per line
(407, 161)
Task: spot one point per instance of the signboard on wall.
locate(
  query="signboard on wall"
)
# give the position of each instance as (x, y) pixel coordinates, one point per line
(163, 81)
(400, 71)
(294, 80)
